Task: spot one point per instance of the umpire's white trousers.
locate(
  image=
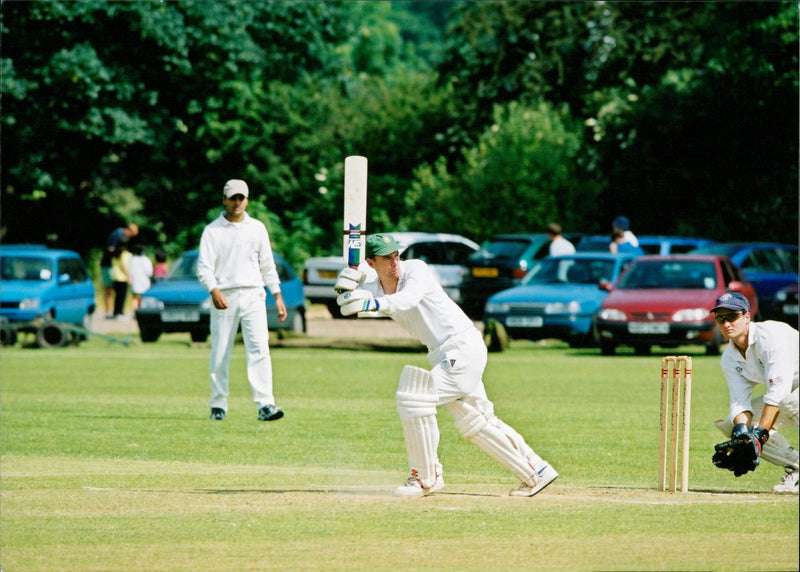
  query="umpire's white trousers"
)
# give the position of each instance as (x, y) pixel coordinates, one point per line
(248, 307)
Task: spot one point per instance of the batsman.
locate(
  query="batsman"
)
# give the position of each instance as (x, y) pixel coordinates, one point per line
(758, 353)
(408, 292)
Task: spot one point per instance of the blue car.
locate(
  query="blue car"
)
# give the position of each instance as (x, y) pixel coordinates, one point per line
(178, 303)
(767, 266)
(651, 244)
(558, 297)
(40, 282)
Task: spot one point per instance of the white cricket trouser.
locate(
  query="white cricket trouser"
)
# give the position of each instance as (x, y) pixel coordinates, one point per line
(248, 307)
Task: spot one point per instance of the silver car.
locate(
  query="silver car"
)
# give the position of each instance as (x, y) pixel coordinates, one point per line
(444, 253)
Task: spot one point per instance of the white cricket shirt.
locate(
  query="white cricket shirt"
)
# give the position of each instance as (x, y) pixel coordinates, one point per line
(420, 305)
(771, 359)
(236, 255)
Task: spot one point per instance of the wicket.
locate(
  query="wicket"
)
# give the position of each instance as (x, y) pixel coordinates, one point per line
(676, 402)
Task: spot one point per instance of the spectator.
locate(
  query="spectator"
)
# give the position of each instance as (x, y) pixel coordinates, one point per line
(141, 274)
(619, 246)
(120, 277)
(622, 224)
(161, 267)
(118, 236)
(559, 246)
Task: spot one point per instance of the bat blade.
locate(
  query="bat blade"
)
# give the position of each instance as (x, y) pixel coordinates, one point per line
(355, 209)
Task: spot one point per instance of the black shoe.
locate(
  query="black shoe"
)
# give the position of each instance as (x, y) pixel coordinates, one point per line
(270, 413)
(217, 414)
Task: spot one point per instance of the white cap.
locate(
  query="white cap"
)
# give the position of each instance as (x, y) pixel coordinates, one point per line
(235, 187)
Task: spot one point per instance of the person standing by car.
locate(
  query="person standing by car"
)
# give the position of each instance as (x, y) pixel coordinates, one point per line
(409, 293)
(235, 263)
(120, 277)
(619, 245)
(623, 225)
(120, 235)
(559, 246)
(759, 353)
(141, 273)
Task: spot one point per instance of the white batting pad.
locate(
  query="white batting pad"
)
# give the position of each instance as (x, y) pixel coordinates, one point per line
(500, 441)
(416, 404)
(789, 411)
(778, 451)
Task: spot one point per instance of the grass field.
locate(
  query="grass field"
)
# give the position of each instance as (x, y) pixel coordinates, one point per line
(109, 462)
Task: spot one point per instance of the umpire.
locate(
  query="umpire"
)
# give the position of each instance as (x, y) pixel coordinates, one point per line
(758, 353)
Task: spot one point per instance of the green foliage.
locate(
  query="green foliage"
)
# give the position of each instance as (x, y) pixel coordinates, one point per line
(520, 175)
(140, 111)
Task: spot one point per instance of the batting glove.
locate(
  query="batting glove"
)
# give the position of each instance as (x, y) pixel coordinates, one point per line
(357, 301)
(349, 279)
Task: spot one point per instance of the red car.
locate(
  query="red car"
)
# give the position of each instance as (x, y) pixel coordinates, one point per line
(665, 301)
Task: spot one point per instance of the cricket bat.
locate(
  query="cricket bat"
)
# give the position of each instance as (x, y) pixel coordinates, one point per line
(355, 209)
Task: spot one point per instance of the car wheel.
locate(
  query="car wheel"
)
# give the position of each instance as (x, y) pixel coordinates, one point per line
(607, 349)
(8, 335)
(298, 322)
(149, 335)
(199, 335)
(712, 349)
(495, 336)
(333, 308)
(641, 349)
(52, 335)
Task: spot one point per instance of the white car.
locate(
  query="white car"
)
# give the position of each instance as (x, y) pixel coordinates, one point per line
(445, 253)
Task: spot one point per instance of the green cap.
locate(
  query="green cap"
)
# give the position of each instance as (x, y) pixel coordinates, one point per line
(381, 245)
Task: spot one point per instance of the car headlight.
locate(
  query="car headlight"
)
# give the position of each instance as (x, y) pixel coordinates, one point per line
(496, 308)
(205, 305)
(29, 304)
(690, 315)
(612, 315)
(562, 308)
(781, 296)
(151, 303)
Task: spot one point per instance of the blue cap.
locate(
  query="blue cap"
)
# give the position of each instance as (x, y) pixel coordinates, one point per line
(622, 223)
(732, 301)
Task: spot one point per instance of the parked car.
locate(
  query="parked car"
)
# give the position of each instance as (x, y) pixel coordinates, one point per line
(501, 263)
(40, 282)
(785, 307)
(768, 266)
(558, 298)
(651, 244)
(666, 301)
(445, 253)
(178, 303)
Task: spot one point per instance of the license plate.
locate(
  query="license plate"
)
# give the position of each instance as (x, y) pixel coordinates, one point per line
(524, 321)
(485, 272)
(180, 316)
(327, 274)
(790, 309)
(648, 328)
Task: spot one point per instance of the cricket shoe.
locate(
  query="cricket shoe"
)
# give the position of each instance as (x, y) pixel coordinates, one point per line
(270, 413)
(414, 487)
(788, 484)
(547, 475)
(217, 414)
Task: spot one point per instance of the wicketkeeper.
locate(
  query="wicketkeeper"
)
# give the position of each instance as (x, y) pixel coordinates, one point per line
(758, 353)
(408, 292)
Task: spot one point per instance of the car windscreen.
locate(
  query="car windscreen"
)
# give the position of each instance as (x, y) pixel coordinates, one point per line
(185, 268)
(671, 274)
(26, 268)
(509, 249)
(570, 271)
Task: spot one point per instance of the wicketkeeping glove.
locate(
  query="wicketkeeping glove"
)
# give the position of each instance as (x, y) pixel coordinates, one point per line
(742, 453)
(357, 301)
(348, 280)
